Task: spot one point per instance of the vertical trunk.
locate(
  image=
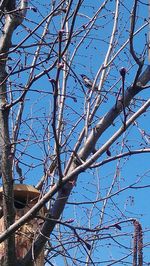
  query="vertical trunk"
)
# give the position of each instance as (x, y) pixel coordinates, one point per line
(6, 172)
(11, 21)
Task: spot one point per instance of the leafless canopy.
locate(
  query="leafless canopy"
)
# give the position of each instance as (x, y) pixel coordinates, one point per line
(74, 85)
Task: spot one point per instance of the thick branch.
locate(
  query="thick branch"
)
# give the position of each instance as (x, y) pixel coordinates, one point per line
(12, 21)
(61, 199)
(109, 118)
(65, 191)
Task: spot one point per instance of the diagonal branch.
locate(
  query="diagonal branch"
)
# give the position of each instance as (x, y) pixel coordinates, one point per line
(75, 170)
(111, 115)
(62, 196)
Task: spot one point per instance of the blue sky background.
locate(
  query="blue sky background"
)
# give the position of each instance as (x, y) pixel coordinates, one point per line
(131, 203)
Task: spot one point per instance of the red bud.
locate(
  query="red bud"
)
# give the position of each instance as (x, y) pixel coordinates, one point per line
(122, 71)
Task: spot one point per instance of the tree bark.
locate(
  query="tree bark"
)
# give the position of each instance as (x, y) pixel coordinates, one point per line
(6, 157)
(6, 172)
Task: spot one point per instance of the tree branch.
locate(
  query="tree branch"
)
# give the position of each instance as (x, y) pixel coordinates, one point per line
(74, 171)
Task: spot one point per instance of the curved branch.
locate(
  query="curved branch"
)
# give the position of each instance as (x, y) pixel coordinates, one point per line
(12, 21)
(121, 155)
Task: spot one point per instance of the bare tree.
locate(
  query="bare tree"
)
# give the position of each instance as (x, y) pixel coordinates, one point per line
(74, 84)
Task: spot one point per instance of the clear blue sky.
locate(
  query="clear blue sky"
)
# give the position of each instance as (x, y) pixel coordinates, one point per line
(130, 203)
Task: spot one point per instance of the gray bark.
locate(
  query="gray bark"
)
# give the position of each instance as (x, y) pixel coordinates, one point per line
(6, 157)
